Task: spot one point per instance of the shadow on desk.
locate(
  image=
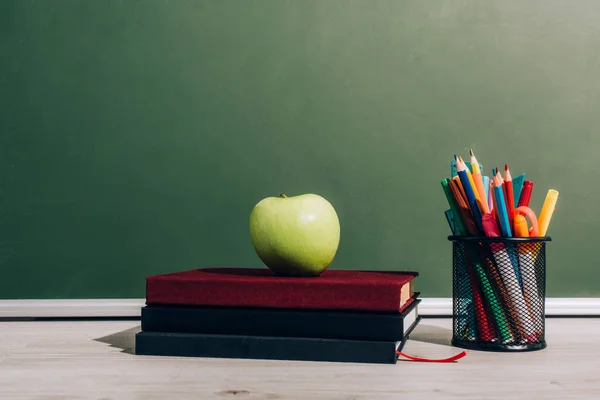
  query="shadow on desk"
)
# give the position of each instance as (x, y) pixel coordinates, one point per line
(124, 340)
(431, 334)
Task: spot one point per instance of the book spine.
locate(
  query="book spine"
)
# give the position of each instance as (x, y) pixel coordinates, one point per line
(366, 297)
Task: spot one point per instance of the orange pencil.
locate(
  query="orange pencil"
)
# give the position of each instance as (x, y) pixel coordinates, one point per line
(509, 195)
(460, 187)
(478, 180)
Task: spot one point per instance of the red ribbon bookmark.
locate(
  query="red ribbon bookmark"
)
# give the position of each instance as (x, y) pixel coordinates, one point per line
(443, 360)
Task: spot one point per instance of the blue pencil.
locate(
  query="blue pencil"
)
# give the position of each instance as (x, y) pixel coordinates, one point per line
(502, 212)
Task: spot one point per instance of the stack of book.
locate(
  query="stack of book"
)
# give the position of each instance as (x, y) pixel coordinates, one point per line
(339, 316)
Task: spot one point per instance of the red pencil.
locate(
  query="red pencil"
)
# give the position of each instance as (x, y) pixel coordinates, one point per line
(509, 195)
(525, 194)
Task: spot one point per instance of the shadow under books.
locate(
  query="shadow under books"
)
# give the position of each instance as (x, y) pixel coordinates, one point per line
(124, 340)
(424, 332)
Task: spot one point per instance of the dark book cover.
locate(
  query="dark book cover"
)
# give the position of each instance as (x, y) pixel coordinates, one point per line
(265, 348)
(325, 324)
(246, 287)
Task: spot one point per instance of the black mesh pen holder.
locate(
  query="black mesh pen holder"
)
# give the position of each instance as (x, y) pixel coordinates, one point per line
(498, 293)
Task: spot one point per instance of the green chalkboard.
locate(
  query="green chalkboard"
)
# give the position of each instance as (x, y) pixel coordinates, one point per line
(137, 135)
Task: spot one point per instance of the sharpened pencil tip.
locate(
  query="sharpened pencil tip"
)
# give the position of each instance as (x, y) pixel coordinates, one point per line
(471, 153)
(506, 167)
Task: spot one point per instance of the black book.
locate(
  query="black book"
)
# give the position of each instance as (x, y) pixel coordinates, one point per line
(390, 327)
(265, 348)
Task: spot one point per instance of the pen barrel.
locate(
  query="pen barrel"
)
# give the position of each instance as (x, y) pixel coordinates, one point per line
(498, 286)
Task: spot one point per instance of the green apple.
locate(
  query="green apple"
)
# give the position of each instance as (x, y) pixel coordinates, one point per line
(295, 236)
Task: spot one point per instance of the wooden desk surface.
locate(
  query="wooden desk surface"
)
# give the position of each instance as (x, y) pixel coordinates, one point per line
(94, 360)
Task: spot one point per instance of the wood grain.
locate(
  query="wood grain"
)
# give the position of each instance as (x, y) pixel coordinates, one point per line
(95, 360)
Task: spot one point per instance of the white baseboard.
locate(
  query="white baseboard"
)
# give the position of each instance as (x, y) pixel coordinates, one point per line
(555, 306)
(430, 306)
(71, 308)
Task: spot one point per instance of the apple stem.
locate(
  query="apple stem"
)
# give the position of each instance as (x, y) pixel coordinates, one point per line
(283, 195)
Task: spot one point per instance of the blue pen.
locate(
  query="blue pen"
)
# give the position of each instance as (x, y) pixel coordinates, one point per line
(502, 212)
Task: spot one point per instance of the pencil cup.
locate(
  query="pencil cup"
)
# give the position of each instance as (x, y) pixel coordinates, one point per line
(499, 293)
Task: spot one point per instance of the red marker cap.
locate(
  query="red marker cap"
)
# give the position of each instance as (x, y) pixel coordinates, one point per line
(525, 194)
(490, 226)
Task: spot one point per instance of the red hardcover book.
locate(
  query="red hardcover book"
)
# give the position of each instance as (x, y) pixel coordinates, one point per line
(383, 291)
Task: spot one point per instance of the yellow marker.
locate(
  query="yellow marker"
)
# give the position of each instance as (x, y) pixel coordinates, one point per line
(547, 210)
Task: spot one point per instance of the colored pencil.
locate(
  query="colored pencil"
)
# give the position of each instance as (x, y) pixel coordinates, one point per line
(470, 191)
(484, 325)
(490, 197)
(499, 176)
(509, 195)
(493, 304)
(463, 207)
(458, 220)
(478, 180)
(470, 177)
(501, 206)
(503, 303)
(460, 187)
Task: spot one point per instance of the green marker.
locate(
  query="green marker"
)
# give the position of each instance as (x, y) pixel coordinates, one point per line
(494, 305)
